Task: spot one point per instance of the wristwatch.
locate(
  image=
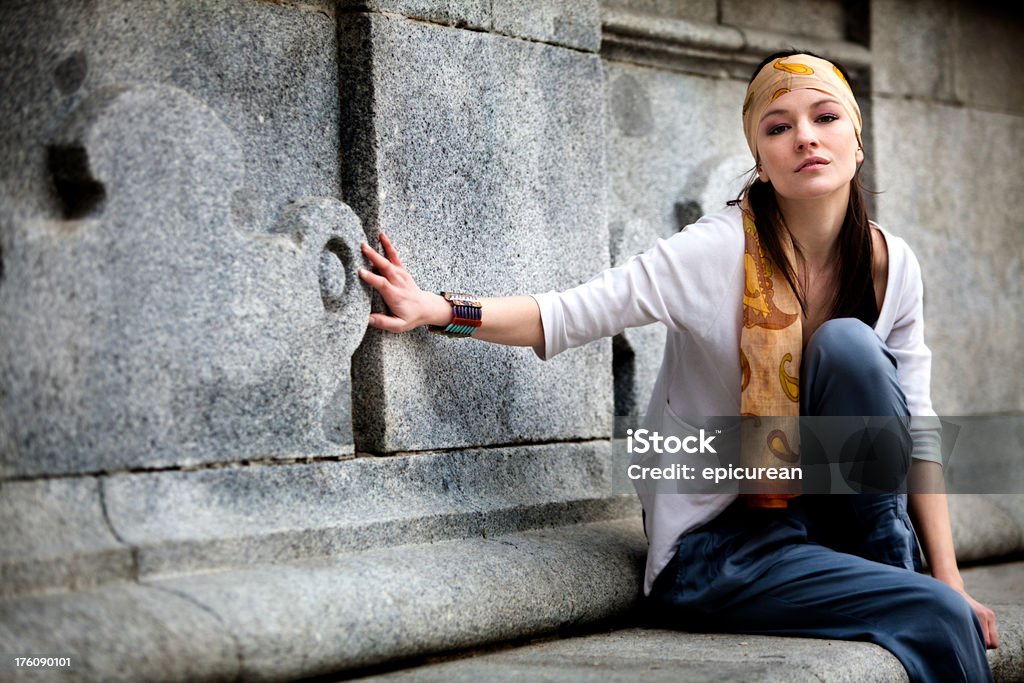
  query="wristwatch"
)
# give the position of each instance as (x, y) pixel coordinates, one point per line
(467, 312)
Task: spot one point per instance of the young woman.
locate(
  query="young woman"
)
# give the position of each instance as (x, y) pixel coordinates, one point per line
(788, 303)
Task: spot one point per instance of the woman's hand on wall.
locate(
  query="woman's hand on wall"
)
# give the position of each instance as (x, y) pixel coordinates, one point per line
(510, 320)
(409, 306)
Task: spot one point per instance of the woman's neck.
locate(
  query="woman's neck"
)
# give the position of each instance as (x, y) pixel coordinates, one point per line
(814, 225)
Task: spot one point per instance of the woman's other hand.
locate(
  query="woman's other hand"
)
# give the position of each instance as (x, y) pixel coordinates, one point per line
(987, 618)
(409, 306)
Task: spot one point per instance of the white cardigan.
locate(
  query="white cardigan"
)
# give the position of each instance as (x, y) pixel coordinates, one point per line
(692, 282)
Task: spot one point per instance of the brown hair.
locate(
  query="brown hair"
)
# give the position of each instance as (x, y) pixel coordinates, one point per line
(855, 296)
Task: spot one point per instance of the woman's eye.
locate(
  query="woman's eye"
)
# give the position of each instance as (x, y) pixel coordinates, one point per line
(775, 130)
(828, 118)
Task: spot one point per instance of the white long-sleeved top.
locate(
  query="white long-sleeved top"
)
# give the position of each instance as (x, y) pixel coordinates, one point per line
(693, 283)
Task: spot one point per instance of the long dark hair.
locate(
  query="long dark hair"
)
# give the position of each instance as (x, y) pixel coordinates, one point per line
(855, 296)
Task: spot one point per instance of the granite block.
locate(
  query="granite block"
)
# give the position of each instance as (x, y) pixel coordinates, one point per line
(1012, 504)
(170, 293)
(982, 530)
(572, 23)
(949, 181)
(1007, 662)
(703, 11)
(984, 454)
(224, 517)
(474, 14)
(152, 331)
(996, 583)
(484, 163)
(910, 42)
(54, 536)
(814, 18)
(986, 72)
(268, 70)
(663, 175)
(949, 51)
(122, 632)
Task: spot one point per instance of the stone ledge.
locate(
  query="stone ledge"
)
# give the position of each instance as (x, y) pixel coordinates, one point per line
(652, 654)
(74, 533)
(708, 49)
(295, 619)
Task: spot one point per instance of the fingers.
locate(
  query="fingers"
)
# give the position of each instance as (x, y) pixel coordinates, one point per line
(991, 632)
(389, 250)
(387, 323)
(378, 261)
(987, 618)
(378, 282)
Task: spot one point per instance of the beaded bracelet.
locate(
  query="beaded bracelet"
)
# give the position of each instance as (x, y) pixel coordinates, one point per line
(467, 315)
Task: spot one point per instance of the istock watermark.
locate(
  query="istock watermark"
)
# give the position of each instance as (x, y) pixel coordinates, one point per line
(819, 455)
(644, 440)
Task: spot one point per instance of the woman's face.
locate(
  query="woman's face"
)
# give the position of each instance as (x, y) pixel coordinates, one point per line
(807, 145)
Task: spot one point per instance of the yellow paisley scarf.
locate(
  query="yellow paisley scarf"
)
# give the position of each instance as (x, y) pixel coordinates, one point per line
(771, 341)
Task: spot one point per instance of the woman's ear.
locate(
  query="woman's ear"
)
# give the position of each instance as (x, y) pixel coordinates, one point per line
(762, 176)
(859, 155)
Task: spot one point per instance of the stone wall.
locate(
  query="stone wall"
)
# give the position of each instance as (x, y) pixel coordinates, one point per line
(948, 131)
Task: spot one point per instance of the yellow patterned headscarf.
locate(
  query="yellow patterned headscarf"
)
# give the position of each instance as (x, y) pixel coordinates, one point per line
(795, 72)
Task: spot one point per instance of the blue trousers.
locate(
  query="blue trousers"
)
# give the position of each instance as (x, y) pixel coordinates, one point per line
(829, 566)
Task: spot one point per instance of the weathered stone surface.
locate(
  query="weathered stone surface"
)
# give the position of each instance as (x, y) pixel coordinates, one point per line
(148, 314)
(268, 70)
(958, 52)
(984, 454)
(386, 604)
(485, 165)
(54, 536)
(151, 331)
(190, 521)
(122, 632)
(989, 52)
(950, 192)
(468, 13)
(916, 62)
(996, 584)
(1007, 662)
(982, 530)
(290, 620)
(814, 18)
(704, 11)
(1012, 504)
(572, 23)
(647, 654)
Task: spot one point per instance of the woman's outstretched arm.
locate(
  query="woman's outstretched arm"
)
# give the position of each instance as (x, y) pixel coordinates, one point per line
(510, 320)
(929, 512)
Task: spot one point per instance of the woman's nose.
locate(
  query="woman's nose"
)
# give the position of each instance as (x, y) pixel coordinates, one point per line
(805, 138)
(808, 144)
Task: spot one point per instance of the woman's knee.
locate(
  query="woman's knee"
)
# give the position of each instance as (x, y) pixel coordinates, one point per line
(847, 346)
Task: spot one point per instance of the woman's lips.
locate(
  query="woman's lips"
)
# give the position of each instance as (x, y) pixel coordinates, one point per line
(813, 164)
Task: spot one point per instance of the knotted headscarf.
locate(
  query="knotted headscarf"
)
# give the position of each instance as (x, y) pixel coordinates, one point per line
(795, 72)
